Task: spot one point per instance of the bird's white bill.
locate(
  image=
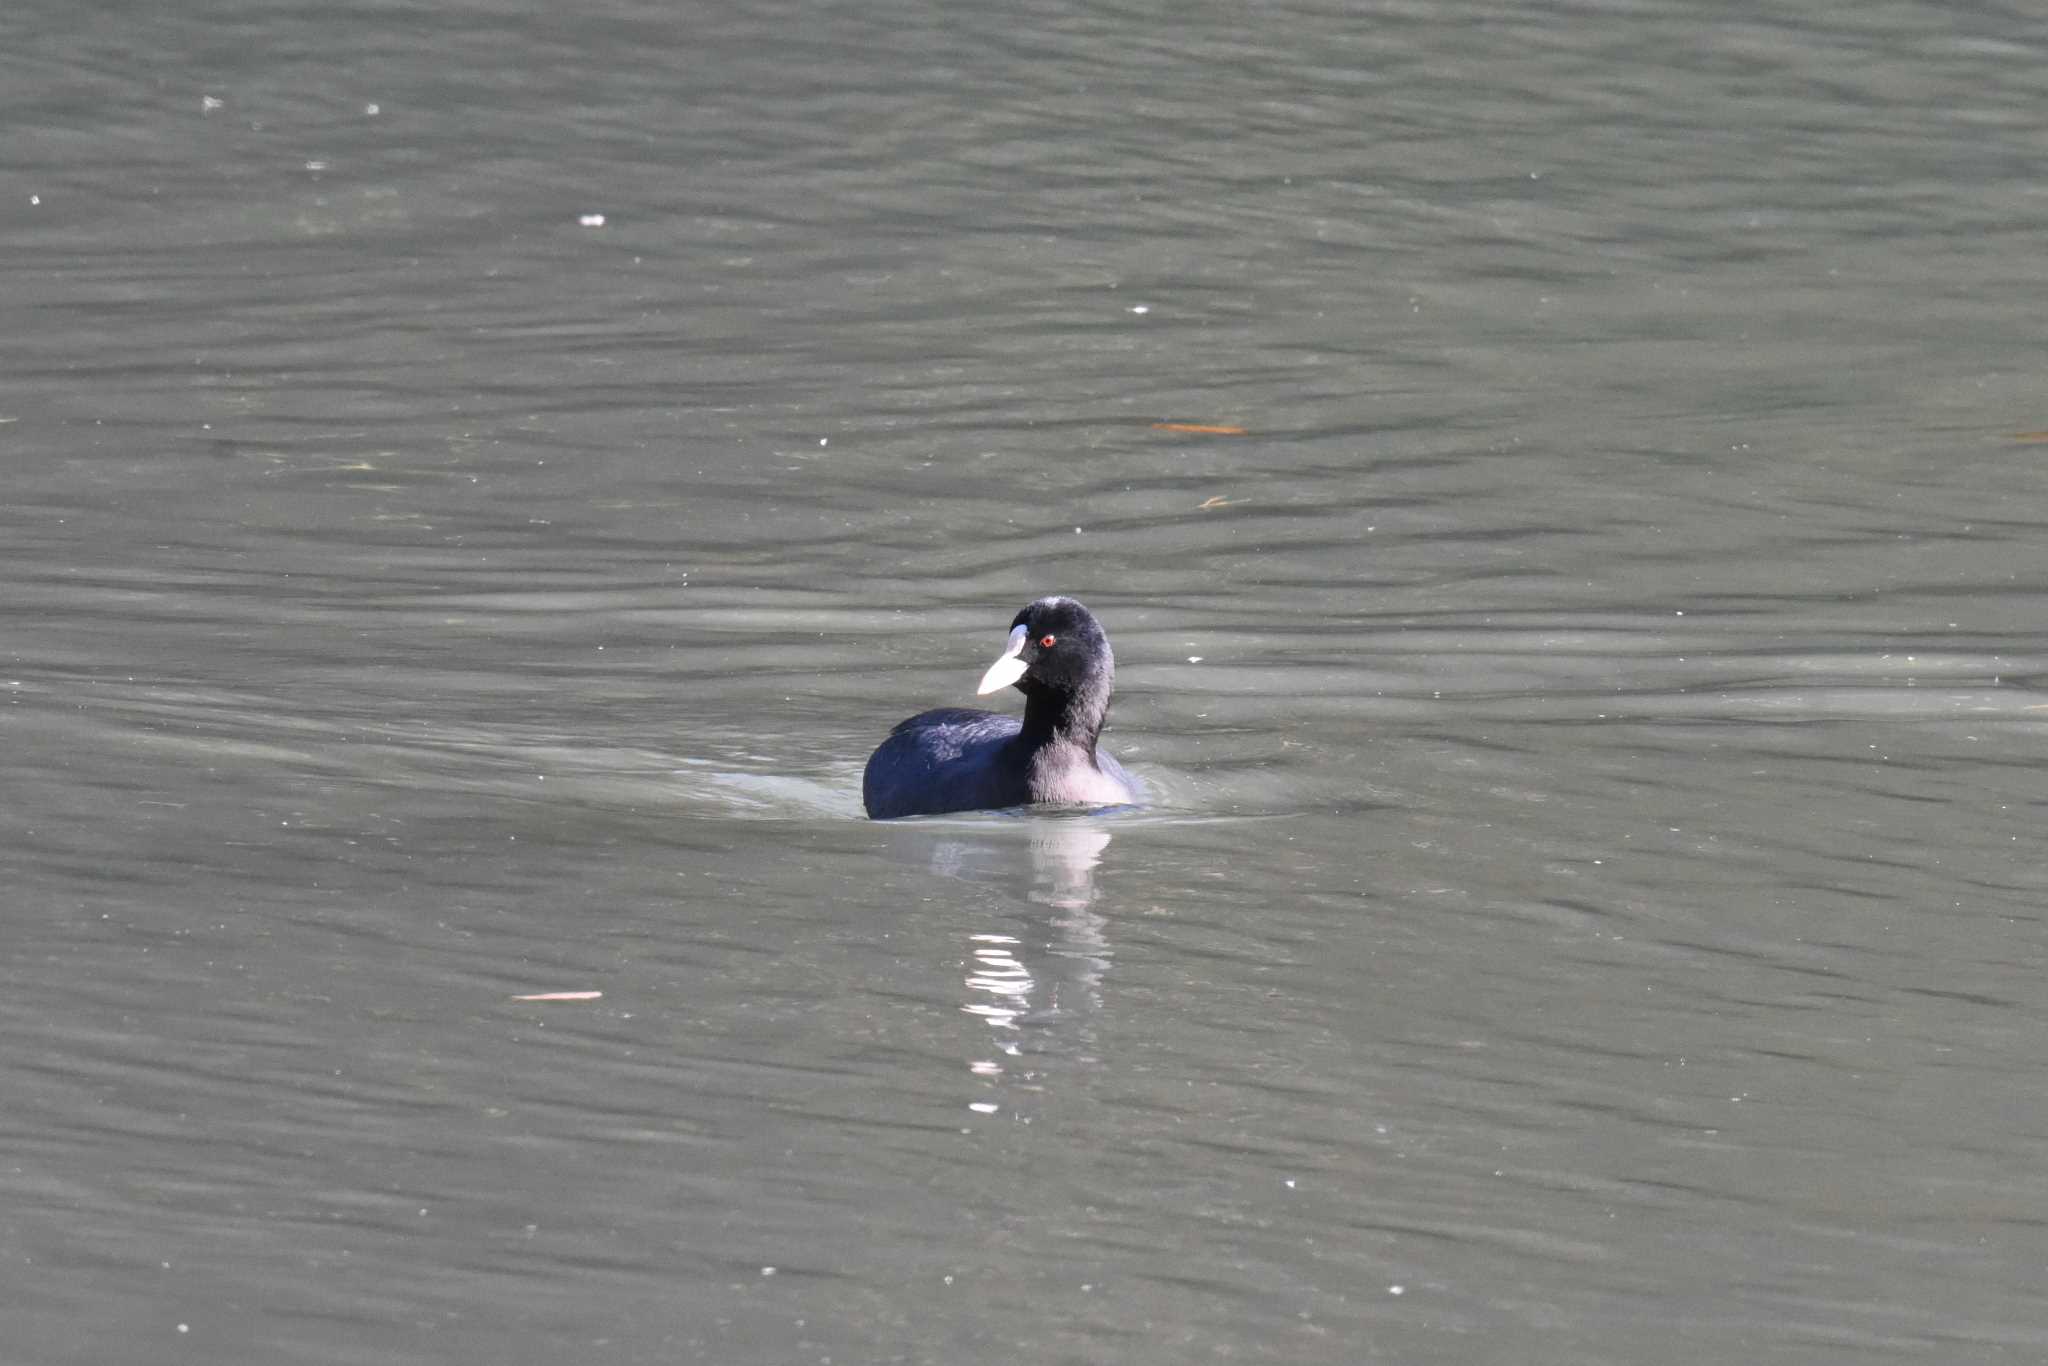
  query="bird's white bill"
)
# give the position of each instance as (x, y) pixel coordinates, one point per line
(1009, 666)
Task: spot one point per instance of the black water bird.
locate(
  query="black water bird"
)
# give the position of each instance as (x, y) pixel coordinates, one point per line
(958, 759)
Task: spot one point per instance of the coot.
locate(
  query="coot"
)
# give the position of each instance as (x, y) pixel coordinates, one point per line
(955, 759)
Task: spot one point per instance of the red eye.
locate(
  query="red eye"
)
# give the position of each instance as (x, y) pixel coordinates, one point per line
(1047, 642)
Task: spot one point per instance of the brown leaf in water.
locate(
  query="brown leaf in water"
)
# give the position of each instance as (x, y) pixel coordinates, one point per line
(1199, 428)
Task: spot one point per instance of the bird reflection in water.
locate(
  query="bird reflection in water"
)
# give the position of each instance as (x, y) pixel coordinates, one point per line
(1054, 978)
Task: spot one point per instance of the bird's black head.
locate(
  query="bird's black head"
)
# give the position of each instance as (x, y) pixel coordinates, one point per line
(1056, 645)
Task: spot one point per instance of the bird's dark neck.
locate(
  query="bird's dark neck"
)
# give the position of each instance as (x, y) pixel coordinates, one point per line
(1056, 716)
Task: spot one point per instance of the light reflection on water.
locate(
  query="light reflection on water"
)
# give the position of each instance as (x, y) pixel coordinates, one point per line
(1001, 989)
(1037, 990)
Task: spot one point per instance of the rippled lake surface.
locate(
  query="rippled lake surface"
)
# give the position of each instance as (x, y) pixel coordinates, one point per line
(481, 478)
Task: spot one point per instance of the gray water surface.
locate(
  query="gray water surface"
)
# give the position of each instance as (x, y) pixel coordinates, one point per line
(1592, 909)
